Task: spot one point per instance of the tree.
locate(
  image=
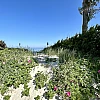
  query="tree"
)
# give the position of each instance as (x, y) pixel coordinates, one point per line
(88, 10)
(2, 44)
(19, 44)
(47, 44)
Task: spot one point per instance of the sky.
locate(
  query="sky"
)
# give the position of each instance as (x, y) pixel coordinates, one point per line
(33, 23)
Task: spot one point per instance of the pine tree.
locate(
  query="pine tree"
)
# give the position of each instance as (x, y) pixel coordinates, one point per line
(88, 10)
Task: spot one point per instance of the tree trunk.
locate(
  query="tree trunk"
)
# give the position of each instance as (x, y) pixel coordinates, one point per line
(85, 17)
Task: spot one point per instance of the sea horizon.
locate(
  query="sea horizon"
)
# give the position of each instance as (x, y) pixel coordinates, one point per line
(30, 48)
(37, 48)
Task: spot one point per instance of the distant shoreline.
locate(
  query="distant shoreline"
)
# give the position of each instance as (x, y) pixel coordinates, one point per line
(30, 48)
(37, 49)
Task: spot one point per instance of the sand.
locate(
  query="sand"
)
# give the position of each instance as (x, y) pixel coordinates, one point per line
(16, 93)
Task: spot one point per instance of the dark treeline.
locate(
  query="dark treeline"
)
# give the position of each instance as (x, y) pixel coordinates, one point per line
(2, 45)
(86, 43)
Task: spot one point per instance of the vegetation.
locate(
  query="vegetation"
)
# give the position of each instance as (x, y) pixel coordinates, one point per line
(6, 97)
(15, 66)
(25, 92)
(2, 45)
(74, 78)
(37, 98)
(88, 10)
(78, 74)
(40, 80)
(86, 44)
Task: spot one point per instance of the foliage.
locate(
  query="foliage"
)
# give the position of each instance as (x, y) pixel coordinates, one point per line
(89, 6)
(25, 92)
(88, 43)
(49, 51)
(15, 66)
(88, 11)
(2, 45)
(49, 95)
(66, 55)
(47, 44)
(75, 77)
(35, 60)
(37, 98)
(40, 80)
(6, 97)
(50, 60)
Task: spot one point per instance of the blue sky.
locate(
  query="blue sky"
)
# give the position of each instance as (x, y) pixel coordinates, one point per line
(36, 22)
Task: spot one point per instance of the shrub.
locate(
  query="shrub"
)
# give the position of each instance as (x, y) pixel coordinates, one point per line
(88, 43)
(37, 98)
(40, 80)
(72, 80)
(15, 67)
(2, 45)
(6, 97)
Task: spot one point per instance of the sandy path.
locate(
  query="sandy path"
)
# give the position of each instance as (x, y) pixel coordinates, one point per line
(16, 93)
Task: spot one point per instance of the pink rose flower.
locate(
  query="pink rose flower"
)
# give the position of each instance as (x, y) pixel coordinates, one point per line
(55, 88)
(98, 71)
(29, 61)
(68, 94)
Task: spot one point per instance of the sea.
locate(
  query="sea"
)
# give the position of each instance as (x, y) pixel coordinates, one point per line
(37, 49)
(29, 48)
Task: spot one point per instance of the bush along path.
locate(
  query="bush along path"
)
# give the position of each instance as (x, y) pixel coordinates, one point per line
(22, 79)
(74, 80)
(20, 76)
(15, 66)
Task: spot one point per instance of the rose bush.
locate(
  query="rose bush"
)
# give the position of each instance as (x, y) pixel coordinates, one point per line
(72, 80)
(15, 67)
